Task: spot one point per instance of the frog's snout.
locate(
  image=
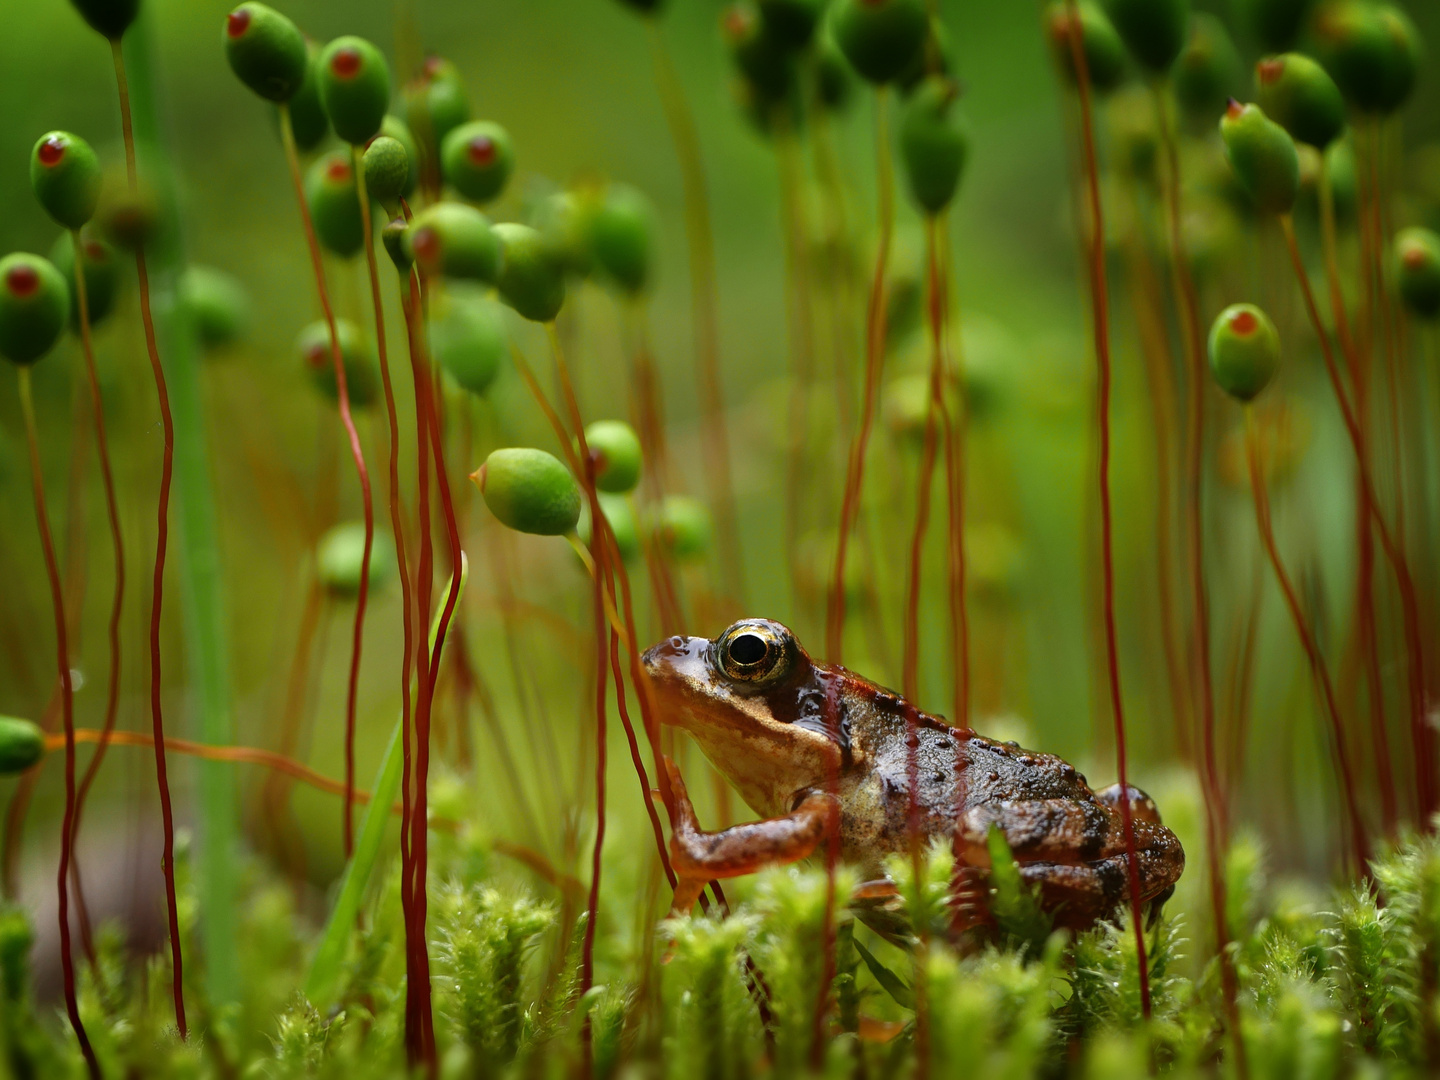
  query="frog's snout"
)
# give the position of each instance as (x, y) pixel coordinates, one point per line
(673, 654)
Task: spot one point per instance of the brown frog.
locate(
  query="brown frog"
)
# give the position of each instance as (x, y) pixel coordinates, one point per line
(813, 748)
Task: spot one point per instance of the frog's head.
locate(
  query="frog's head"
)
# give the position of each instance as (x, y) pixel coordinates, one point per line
(755, 703)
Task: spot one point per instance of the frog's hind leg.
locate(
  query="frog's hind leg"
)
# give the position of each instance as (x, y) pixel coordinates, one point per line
(698, 856)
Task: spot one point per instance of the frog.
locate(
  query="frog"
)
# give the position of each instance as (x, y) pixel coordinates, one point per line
(824, 755)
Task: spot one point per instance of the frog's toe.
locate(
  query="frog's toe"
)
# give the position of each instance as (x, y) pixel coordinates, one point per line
(1141, 805)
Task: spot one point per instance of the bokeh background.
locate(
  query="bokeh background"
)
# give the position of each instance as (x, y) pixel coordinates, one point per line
(572, 81)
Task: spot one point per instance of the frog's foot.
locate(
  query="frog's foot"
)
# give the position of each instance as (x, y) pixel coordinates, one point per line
(698, 856)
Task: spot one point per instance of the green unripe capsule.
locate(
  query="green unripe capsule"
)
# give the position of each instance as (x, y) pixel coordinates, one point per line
(1104, 51)
(109, 18)
(1263, 157)
(354, 88)
(435, 104)
(880, 38)
(683, 527)
(622, 237)
(308, 122)
(396, 238)
(334, 202)
(478, 159)
(529, 491)
(1244, 351)
(387, 170)
(34, 306)
(340, 559)
(567, 219)
(532, 275)
(621, 517)
(791, 22)
(1277, 23)
(1417, 271)
(129, 219)
(395, 128)
(454, 240)
(65, 174)
(467, 337)
(615, 449)
(217, 304)
(266, 51)
(22, 744)
(1153, 30)
(834, 79)
(1208, 71)
(102, 275)
(932, 145)
(360, 379)
(1300, 96)
(1371, 50)
(765, 63)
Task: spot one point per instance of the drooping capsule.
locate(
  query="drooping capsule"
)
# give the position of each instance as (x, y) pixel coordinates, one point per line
(354, 88)
(1208, 71)
(65, 176)
(622, 227)
(1105, 59)
(22, 744)
(477, 159)
(266, 51)
(109, 18)
(933, 145)
(34, 307)
(1417, 271)
(532, 276)
(683, 527)
(455, 240)
(1299, 95)
(1244, 351)
(334, 201)
(387, 170)
(1262, 156)
(361, 381)
(340, 559)
(467, 337)
(216, 303)
(615, 450)
(880, 38)
(1372, 51)
(101, 264)
(529, 491)
(1153, 30)
(308, 121)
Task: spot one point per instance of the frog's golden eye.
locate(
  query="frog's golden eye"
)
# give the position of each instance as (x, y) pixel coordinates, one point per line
(753, 651)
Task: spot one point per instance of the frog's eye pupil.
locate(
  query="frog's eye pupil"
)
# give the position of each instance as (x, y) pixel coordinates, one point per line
(748, 649)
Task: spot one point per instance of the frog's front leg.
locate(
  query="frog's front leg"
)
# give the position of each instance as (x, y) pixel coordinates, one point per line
(698, 856)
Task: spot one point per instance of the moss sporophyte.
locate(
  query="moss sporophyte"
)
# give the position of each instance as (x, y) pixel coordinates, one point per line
(768, 411)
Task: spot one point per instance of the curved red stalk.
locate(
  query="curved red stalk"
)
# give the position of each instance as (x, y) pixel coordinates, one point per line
(157, 717)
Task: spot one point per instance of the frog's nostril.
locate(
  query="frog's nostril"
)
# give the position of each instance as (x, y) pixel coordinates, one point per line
(677, 642)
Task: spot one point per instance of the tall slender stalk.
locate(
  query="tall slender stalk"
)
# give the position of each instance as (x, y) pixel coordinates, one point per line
(67, 705)
(1100, 326)
(162, 536)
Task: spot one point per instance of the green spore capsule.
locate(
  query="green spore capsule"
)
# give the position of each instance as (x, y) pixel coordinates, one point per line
(622, 237)
(1208, 71)
(396, 238)
(1417, 271)
(340, 559)
(1300, 96)
(529, 491)
(354, 88)
(791, 22)
(435, 103)
(1105, 58)
(65, 175)
(387, 170)
(34, 307)
(1262, 156)
(454, 240)
(394, 128)
(932, 145)
(1153, 30)
(936, 56)
(1372, 51)
(532, 276)
(567, 220)
(765, 64)
(102, 275)
(217, 304)
(266, 51)
(334, 202)
(313, 345)
(109, 18)
(1244, 351)
(467, 337)
(683, 527)
(308, 122)
(128, 219)
(22, 744)
(880, 38)
(621, 517)
(833, 78)
(615, 449)
(1276, 24)
(477, 159)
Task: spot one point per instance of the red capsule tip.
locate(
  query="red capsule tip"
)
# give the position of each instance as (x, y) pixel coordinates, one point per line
(426, 245)
(22, 281)
(1413, 257)
(346, 63)
(482, 151)
(433, 66)
(1244, 323)
(1234, 109)
(1270, 69)
(52, 150)
(735, 23)
(315, 355)
(338, 171)
(237, 22)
